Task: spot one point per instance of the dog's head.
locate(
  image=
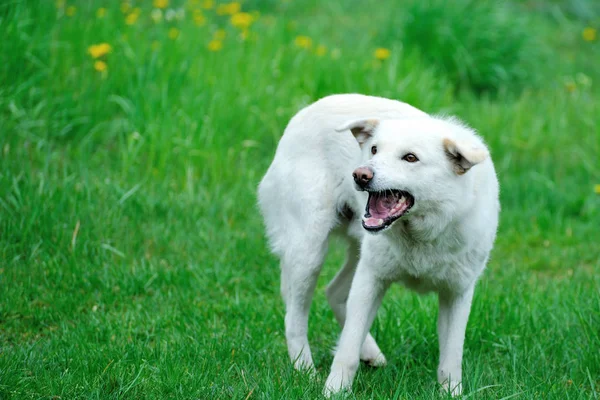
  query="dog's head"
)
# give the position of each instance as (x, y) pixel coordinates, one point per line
(419, 165)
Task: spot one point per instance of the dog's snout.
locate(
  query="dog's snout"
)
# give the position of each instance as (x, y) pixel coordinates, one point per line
(362, 176)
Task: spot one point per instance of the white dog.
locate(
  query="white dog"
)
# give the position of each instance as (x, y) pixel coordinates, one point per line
(349, 153)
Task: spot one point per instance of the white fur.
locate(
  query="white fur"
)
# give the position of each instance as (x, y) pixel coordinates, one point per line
(441, 246)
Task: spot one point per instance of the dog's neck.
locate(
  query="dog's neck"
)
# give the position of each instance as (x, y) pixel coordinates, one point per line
(421, 229)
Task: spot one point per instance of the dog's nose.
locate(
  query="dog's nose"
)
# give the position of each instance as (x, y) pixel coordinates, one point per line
(362, 176)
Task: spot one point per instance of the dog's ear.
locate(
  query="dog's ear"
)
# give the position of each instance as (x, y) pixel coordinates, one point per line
(362, 129)
(464, 154)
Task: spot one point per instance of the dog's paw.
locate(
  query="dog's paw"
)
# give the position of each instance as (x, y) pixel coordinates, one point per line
(305, 368)
(452, 387)
(374, 361)
(337, 382)
(371, 354)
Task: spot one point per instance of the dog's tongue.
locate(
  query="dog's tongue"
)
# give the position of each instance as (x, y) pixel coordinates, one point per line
(382, 206)
(373, 222)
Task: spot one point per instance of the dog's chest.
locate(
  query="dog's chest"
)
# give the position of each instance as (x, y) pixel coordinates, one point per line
(426, 267)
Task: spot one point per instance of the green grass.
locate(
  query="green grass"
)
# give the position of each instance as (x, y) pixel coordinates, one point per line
(483, 45)
(133, 261)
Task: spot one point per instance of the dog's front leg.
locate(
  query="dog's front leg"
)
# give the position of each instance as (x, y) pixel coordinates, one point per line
(364, 299)
(452, 322)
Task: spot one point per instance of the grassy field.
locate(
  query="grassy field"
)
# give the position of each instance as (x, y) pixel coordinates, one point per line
(133, 135)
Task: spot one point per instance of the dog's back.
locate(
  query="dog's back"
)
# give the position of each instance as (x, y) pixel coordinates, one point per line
(304, 181)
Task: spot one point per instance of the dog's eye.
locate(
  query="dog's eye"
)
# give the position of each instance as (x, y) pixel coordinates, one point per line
(374, 150)
(410, 157)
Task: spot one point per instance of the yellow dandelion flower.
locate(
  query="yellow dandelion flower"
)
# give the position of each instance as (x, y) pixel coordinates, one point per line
(132, 18)
(321, 50)
(229, 8)
(101, 12)
(597, 188)
(303, 42)
(125, 7)
(570, 86)
(382, 53)
(100, 66)
(589, 34)
(173, 33)
(199, 19)
(215, 45)
(70, 11)
(99, 50)
(241, 20)
(208, 4)
(161, 3)
(220, 34)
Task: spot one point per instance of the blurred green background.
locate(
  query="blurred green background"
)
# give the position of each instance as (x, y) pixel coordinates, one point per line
(132, 138)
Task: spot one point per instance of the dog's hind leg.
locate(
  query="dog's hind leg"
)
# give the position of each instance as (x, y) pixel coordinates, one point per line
(300, 268)
(337, 295)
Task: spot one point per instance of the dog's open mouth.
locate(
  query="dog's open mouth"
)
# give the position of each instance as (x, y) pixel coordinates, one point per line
(384, 207)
